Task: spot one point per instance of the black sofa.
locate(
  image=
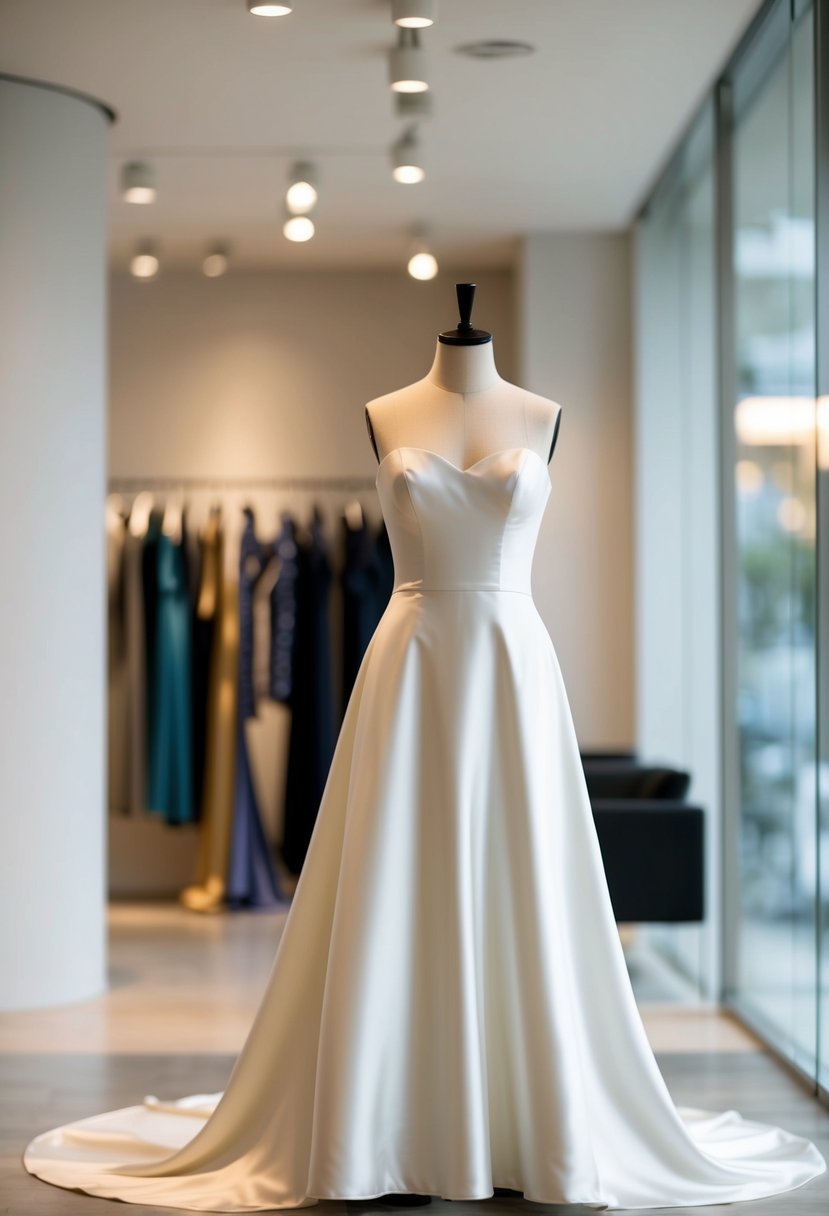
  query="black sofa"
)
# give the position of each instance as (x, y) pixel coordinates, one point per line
(652, 840)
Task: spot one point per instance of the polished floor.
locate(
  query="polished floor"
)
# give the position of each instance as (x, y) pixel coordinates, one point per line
(183, 990)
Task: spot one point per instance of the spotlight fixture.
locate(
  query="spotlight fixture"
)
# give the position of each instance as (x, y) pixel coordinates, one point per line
(413, 14)
(413, 105)
(137, 184)
(298, 228)
(217, 260)
(261, 9)
(407, 164)
(145, 264)
(422, 264)
(302, 191)
(407, 64)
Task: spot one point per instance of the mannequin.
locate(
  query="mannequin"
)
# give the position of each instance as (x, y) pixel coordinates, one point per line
(462, 410)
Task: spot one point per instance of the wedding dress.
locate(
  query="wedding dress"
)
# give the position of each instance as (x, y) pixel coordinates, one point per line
(449, 1008)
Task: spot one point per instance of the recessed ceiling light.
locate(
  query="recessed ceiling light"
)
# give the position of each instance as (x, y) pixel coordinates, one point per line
(495, 48)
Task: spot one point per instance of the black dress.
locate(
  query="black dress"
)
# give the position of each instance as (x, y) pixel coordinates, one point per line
(311, 745)
(359, 579)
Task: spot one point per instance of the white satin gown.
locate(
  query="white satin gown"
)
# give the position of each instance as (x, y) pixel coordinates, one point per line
(449, 1008)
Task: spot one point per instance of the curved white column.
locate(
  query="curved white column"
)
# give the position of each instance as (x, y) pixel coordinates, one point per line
(53, 149)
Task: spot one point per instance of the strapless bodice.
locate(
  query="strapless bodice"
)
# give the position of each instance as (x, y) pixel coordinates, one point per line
(454, 529)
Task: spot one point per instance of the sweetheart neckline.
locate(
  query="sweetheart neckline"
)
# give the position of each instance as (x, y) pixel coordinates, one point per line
(470, 468)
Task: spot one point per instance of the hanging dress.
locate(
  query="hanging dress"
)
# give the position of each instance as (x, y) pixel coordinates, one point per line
(358, 579)
(218, 601)
(311, 740)
(283, 611)
(170, 784)
(252, 880)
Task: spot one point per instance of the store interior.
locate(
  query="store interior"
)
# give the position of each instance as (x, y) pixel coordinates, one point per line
(635, 190)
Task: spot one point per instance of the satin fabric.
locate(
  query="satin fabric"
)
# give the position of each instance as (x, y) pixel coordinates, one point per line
(449, 1008)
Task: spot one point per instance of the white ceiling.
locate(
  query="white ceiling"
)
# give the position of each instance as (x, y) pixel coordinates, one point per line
(222, 102)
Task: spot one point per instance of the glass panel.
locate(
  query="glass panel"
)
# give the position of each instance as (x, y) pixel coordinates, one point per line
(678, 690)
(774, 487)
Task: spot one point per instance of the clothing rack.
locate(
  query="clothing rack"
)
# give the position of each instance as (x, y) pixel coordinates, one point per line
(285, 482)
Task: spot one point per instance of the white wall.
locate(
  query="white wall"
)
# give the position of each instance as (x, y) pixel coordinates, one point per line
(53, 149)
(574, 346)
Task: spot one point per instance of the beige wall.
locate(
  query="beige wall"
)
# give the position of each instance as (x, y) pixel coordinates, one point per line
(574, 336)
(257, 374)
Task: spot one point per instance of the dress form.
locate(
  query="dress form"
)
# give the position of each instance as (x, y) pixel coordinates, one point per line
(463, 409)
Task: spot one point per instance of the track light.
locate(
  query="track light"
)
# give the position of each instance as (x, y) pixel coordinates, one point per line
(145, 263)
(422, 264)
(407, 64)
(302, 191)
(137, 183)
(217, 260)
(298, 228)
(413, 14)
(406, 159)
(261, 9)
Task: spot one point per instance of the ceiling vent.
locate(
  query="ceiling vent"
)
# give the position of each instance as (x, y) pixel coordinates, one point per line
(495, 48)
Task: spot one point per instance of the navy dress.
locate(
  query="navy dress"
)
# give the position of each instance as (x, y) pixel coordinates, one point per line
(311, 745)
(252, 880)
(283, 611)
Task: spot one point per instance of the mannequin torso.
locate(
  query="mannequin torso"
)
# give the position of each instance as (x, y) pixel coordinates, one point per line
(463, 410)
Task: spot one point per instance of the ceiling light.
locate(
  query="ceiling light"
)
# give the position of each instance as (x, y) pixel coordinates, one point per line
(302, 191)
(261, 9)
(298, 228)
(145, 264)
(413, 14)
(422, 264)
(217, 260)
(407, 164)
(407, 64)
(413, 105)
(137, 184)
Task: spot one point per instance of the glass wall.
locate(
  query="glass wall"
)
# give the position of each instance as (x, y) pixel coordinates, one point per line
(677, 522)
(732, 293)
(773, 576)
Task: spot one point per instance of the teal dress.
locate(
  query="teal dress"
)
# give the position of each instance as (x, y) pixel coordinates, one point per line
(170, 778)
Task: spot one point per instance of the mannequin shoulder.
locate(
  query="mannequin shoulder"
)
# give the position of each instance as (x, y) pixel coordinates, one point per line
(382, 414)
(542, 417)
(381, 409)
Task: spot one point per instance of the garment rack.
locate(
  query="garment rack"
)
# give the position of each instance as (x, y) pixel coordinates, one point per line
(285, 482)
